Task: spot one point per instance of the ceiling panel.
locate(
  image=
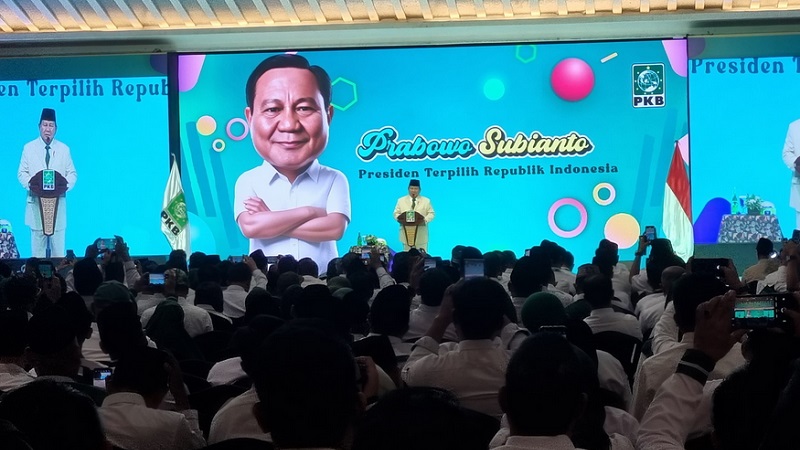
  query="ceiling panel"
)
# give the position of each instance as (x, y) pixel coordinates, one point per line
(30, 17)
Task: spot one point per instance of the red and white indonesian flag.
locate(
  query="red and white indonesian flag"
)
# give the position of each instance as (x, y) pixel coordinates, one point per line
(677, 217)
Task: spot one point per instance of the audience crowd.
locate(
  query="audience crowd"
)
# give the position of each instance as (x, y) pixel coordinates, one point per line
(112, 352)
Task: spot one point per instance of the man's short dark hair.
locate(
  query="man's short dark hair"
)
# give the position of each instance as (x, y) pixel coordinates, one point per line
(764, 247)
(493, 264)
(479, 307)
(285, 280)
(605, 261)
(307, 266)
(415, 417)
(598, 291)
(114, 271)
(688, 292)
(509, 258)
(656, 266)
(333, 268)
(239, 273)
(196, 260)
(87, 276)
(120, 329)
(529, 275)
(545, 385)
(307, 387)
(142, 371)
(77, 313)
(20, 292)
(432, 285)
(247, 340)
(50, 331)
(54, 416)
(177, 260)
(401, 267)
(389, 313)
(259, 302)
(287, 263)
(209, 293)
(283, 61)
(13, 333)
(351, 263)
(5, 270)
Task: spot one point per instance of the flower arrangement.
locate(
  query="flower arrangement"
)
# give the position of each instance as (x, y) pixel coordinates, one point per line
(754, 205)
(371, 240)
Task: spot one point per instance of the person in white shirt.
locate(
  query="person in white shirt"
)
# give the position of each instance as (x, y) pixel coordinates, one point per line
(509, 260)
(778, 280)
(43, 153)
(432, 285)
(242, 277)
(311, 390)
(621, 273)
(419, 204)
(598, 291)
(791, 158)
(13, 325)
(564, 278)
(291, 204)
(51, 415)
(689, 292)
(130, 413)
(544, 393)
(388, 316)
(309, 270)
(196, 320)
(209, 297)
(753, 408)
(474, 368)
(236, 419)
(650, 308)
(768, 262)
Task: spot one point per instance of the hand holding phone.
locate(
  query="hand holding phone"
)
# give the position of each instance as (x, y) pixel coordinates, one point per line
(106, 244)
(99, 377)
(157, 278)
(713, 334)
(46, 270)
(650, 233)
(762, 311)
(473, 268)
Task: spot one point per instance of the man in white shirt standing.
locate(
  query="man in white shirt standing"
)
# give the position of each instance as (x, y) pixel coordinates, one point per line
(291, 204)
(417, 203)
(43, 153)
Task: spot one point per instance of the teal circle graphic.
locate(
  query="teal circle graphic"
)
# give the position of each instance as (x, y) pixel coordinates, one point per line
(494, 89)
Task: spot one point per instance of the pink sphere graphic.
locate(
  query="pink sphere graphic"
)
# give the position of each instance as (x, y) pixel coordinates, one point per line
(572, 79)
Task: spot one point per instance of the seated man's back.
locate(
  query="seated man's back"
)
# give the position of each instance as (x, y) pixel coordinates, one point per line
(137, 387)
(599, 293)
(473, 369)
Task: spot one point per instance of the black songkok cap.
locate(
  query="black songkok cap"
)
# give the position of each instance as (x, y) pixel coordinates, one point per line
(48, 114)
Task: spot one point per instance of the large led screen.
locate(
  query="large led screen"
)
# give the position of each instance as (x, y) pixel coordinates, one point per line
(512, 144)
(745, 138)
(109, 140)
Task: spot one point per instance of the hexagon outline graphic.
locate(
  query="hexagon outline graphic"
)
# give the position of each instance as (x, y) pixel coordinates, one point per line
(526, 60)
(355, 94)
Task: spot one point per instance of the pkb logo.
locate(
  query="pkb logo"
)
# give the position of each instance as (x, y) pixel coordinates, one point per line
(649, 86)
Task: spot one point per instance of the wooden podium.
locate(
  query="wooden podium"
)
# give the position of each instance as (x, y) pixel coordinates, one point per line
(48, 193)
(410, 221)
